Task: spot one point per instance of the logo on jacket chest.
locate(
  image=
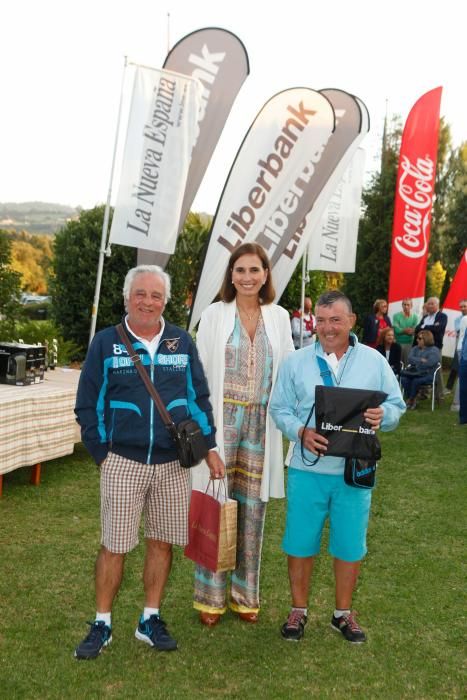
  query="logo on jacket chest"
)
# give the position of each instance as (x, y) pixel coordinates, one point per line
(172, 344)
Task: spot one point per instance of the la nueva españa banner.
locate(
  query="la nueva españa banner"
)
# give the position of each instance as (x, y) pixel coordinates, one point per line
(334, 248)
(413, 203)
(159, 141)
(457, 293)
(268, 189)
(352, 124)
(218, 59)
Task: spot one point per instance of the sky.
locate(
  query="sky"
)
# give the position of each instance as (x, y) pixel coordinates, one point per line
(62, 64)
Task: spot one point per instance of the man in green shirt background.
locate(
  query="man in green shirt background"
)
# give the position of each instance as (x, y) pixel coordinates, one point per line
(404, 323)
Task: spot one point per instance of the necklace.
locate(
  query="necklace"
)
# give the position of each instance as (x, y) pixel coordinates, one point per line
(250, 317)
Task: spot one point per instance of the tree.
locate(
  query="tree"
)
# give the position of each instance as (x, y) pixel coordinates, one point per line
(455, 223)
(185, 264)
(435, 280)
(73, 283)
(443, 182)
(315, 284)
(9, 287)
(75, 267)
(32, 257)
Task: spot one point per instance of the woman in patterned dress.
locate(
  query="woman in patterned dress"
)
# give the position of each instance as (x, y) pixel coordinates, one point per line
(241, 341)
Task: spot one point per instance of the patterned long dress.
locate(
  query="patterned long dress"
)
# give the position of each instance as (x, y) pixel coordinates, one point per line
(247, 385)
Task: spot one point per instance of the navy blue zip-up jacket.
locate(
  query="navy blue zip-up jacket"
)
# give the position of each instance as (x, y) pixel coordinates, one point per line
(115, 410)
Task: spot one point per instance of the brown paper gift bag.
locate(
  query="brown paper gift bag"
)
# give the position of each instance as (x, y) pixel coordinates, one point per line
(212, 530)
(227, 555)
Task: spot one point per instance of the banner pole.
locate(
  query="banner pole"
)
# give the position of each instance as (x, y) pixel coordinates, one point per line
(105, 224)
(302, 297)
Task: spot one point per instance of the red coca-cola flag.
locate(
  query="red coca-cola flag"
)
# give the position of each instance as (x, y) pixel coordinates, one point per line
(413, 203)
(457, 293)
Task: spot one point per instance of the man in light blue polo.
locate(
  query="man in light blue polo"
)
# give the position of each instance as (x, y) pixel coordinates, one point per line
(318, 492)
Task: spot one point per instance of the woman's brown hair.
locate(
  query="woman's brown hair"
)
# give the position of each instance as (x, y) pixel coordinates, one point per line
(228, 292)
(383, 334)
(427, 336)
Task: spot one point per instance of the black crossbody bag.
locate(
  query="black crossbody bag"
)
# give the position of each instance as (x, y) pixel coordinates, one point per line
(187, 435)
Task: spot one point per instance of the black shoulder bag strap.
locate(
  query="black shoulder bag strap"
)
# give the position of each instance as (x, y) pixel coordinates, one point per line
(326, 376)
(136, 359)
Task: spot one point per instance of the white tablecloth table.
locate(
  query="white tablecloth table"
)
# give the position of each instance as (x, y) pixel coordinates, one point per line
(37, 422)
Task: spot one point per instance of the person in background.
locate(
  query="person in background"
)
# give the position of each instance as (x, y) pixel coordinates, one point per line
(455, 360)
(462, 333)
(423, 359)
(390, 349)
(463, 379)
(318, 492)
(375, 322)
(308, 325)
(434, 321)
(404, 323)
(241, 341)
(137, 458)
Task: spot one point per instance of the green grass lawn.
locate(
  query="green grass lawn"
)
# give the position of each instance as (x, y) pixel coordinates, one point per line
(410, 597)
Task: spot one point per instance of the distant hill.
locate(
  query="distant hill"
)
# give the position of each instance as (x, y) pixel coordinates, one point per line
(35, 217)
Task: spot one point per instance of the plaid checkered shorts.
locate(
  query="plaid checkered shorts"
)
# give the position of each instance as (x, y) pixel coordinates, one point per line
(129, 489)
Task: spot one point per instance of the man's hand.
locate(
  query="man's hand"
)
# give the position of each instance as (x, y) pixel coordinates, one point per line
(314, 442)
(374, 416)
(215, 464)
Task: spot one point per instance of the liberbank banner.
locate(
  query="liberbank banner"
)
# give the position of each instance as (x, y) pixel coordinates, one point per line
(160, 137)
(413, 203)
(268, 189)
(219, 61)
(352, 124)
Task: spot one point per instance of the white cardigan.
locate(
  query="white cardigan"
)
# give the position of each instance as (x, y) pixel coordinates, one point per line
(216, 325)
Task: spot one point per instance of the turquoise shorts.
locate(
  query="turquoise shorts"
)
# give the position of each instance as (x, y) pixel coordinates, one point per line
(311, 498)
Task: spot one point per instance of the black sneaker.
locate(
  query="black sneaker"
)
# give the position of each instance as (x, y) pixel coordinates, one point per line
(293, 630)
(348, 625)
(154, 632)
(100, 636)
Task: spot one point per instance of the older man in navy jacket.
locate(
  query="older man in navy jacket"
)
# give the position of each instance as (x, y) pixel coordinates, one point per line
(139, 470)
(433, 320)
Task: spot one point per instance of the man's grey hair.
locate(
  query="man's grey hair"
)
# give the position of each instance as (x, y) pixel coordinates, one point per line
(331, 297)
(140, 270)
(434, 299)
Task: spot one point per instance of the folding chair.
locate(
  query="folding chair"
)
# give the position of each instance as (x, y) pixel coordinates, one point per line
(433, 385)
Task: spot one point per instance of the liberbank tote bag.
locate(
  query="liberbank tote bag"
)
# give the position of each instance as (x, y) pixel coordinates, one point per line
(339, 417)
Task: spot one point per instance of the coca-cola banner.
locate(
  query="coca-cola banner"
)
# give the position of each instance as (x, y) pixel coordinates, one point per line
(457, 293)
(270, 184)
(334, 248)
(413, 203)
(218, 59)
(352, 124)
(159, 142)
